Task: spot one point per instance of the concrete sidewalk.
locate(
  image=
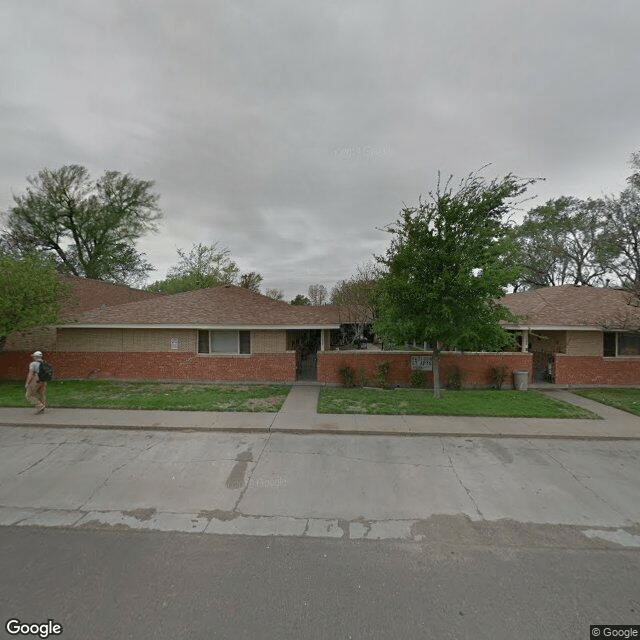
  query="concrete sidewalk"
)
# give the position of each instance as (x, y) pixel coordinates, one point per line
(298, 415)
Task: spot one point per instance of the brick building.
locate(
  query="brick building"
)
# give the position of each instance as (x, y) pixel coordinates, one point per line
(568, 335)
(579, 335)
(221, 333)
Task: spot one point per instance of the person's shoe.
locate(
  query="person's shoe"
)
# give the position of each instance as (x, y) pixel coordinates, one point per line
(40, 409)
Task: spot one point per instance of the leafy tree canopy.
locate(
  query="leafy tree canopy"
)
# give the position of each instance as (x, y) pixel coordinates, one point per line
(251, 281)
(565, 242)
(30, 292)
(449, 260)
(300, 300)
(201, 267)
(90, 227)
(204, 266)
(622, 228)
(355, 296)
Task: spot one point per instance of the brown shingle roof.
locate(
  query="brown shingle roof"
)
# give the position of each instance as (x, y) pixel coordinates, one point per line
(215, 307)
(572, 306)
(85, 294)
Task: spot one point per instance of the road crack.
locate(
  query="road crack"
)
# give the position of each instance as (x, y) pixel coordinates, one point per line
(249, 479)
(44, 457)
(585, 486)
(102, 484)
(467, 491)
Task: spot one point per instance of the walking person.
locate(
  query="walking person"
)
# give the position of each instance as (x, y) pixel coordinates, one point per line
(36, 388)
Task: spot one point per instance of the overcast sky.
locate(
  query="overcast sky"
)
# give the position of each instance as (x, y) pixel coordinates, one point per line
(292, 131)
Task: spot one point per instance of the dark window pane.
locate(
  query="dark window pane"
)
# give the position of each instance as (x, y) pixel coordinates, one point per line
(245, 341)
(608, 344)
(628, 344)
(203, 341)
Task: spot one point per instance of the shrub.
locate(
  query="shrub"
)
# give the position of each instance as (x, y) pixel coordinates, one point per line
(362, 374)
(417, 379)
(347, 376)
(382, 374)
(498, 375)
(455, 377)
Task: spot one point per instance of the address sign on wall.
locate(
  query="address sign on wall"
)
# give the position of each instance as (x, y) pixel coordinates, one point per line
(422, 363)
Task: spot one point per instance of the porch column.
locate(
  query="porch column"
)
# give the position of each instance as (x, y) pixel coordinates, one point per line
(321, 339)
(525, 340)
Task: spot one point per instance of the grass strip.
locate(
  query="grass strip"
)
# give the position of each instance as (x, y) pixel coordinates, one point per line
(625, 399)
(489, 403)
(106, 394)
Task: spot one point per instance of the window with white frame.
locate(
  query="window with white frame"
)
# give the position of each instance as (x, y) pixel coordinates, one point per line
(224, 341)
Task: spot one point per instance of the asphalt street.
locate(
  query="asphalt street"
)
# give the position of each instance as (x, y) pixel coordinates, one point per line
(176, 586)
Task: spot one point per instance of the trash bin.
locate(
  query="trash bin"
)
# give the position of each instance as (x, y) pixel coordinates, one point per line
(521, 380)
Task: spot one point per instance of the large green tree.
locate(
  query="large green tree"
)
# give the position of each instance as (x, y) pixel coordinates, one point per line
(30, 293)
(565, 241)
(89, 226)
(449, 261)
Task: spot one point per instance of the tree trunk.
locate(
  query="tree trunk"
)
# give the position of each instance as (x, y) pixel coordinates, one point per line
(437, 390)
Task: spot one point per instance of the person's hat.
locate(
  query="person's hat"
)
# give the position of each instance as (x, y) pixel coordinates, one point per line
(36, 354)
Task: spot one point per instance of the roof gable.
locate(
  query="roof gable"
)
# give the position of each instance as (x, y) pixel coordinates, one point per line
(86, 294)
(223, 306)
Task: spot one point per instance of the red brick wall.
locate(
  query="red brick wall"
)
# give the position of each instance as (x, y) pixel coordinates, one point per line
(595, 370)
(268, 367)
(475, 365)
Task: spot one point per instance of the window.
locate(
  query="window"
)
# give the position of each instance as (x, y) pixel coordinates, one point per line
(609, 344)
(628, 344)
(224, 342)
(622, 343)
(203, 341)
(245, 341)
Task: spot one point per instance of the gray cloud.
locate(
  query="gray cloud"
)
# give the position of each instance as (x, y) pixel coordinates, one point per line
(292, 131)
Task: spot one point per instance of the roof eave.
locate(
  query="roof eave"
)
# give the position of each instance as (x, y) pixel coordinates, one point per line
(219, 327)
(553, 327)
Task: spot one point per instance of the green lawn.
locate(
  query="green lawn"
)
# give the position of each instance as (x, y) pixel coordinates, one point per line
(514, 404)
(103, 394)
(625, 399)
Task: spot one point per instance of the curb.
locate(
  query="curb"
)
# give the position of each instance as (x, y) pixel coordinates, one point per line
(332, 432)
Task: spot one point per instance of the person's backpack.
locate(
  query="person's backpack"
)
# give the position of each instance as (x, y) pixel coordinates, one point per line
(45, 372)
